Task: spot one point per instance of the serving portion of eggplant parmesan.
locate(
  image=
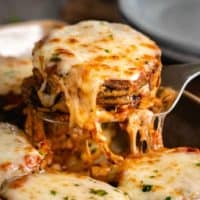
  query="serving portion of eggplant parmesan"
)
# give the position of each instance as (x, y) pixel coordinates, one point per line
(95, 81)
(90, 104)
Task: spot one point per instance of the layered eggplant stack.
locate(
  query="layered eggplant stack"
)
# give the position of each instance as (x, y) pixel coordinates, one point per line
(89, 97)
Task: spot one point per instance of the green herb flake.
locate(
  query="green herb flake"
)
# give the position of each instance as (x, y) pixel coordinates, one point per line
(111, 36)
(65, 198)
(98, 192)
(168, 198)
(197, 164)
(107, 50)
(125, 193)
(76, 184)
(55, 58)
(42, 153)
(102, 22)
(152, 176)
(53, 192)
(146, 188)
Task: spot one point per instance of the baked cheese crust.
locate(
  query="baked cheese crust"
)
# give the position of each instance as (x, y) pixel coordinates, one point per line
(60, 186)
(87, 54)
(95, 75)
(168, 174)
(17, 156)
(12, 73)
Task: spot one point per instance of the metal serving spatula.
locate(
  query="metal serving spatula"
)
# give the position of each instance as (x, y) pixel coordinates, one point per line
(177, 78)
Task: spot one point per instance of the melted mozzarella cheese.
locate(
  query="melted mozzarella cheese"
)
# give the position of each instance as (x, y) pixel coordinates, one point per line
(60, 186)
(17, 156)
(87, 54)
(111, 44)
(80, 59)
(12, 73)
(167, 174)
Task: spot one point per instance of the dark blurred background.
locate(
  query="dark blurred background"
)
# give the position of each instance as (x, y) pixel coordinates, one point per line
(69, 10)
(72, 11)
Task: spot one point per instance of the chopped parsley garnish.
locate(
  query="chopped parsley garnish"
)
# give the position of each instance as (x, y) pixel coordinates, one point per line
(55, 58)
(102, 22)
(76, 184)
(42, 153)
(125, 193)
(168, 198)
(198, 164)
(53, 192)
(107, 50)
(69, 198)
(98, 192)
(151, 176)
(146, 188)
(116, 190)
(111, 36)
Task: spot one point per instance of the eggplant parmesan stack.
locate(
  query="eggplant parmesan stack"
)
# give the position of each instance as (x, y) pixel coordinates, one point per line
(89, 97)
